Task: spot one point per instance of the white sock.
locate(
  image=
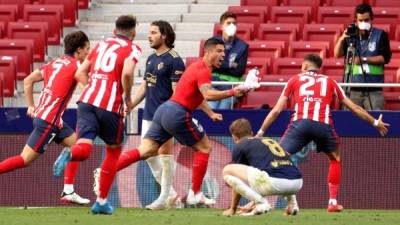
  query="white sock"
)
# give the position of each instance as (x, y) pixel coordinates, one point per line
(243, 189)
(101, 201)
(167, 176)
(68, 189)
(332, 201)
(155, 167)
(291, 200)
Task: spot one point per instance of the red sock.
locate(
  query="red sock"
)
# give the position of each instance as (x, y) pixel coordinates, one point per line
(80, 151)
(334, 176)
(12, 163)
(199, 170)
(127, 158)
(108, 170)
(70, 172)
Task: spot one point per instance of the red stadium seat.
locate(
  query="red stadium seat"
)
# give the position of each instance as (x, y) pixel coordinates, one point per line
(352, 3)
(250, 14)
(279, 32)
(262, 64)
(20, 5)
(201, 47)
(8, 69)
(36, 31)
(52, 14)
(397, 33)
(258, 99)
(8, 13)
(290, 14)
(395, 47)
(392, 100)
(385, 3)
(314, 4)
(23, 50)
(391, 68)
(387, 28)
(1, 89)
(83, 4)
(274, 78)
(387, 15)
(265, 49)
(333, 67)
(190, 60)
(287, 66)
(2, 29)
(268, 3)
(298, 49)
(70, 10)
(323, 32)
(244, 31)
(336, 15)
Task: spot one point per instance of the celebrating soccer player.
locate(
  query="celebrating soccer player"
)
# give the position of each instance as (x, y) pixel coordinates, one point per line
(313, 94)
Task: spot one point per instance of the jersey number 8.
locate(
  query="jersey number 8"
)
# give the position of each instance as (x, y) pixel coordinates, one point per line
(274, 147)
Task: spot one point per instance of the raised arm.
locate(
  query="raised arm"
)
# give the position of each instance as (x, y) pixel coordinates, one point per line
(32, 78)
(211, 94)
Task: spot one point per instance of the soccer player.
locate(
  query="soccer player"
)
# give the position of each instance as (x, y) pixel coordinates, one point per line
(313, 94)
(260, 167)
(173, 118)
(163, 67)
(59, 84)
(108, 73)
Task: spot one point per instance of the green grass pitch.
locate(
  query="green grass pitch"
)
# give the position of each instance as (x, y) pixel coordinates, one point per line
(124, 216)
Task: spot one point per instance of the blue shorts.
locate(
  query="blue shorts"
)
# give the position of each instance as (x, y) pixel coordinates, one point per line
(173, 120)
(93, 121)
(44, 133)
(301, 132)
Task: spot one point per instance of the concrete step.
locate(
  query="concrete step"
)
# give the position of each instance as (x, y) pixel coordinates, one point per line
(141, 18)
(208, 8)
(219, 2)
(201, 17)
(194, 27)
(141, 8)
(144, 1)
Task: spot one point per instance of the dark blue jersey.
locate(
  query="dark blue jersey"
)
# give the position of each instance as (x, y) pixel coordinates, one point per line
(265, 154)
(161, 71)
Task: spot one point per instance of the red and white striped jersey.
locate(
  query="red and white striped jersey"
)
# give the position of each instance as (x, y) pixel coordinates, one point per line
(313, 94)
(59, 84)
(104, 89)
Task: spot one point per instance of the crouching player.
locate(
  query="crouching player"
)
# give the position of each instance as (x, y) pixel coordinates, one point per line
(260, 168)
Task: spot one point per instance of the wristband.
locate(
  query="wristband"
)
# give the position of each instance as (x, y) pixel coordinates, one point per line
(231, 92)
(260, 132)
(376, 122)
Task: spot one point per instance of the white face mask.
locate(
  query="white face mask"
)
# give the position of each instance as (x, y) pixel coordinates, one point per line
(364, 26)
(230, 30)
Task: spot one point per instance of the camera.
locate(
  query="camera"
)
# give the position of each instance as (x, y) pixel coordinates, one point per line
(352, 30)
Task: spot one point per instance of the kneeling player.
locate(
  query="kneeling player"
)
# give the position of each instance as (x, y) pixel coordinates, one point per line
(260, 168)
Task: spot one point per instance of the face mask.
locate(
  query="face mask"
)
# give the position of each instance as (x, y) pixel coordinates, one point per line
(364, 26)
(230, 30)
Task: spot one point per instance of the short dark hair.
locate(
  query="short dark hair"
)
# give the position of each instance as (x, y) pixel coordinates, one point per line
(125, 22)
(226, 15)
(364, 8)
(166, 29)
(241, 128)
(212, 42)
(314, 59)
(73, 41)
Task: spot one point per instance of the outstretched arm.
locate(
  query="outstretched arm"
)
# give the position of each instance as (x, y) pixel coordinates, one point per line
(273, 114)
(210, 94)
(210, 113)
(32, 78)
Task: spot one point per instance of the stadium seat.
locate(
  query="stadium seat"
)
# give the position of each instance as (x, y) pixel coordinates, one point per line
(83, 4)
(333, 67)
(290, 14)
(250, 14)
(395, 47)
(279, 32)
(387, 15)
(298, 49)
(392, 100)
(352, 3)
(314, 4)
(20, 5)
(387, 28)
(8, 69)
(70, 10)
(263, 65)
(8, 13)
(336, 15)
(201, 48)
(323, 32)
(36, 31)
(190, 60)
(287, 66)
(2, 29)
(265, 49)
(260, 99)
(274, 78)
(52, 14)
(397, 33)
(23, 50)
(385, 3)
(391, 68)
(244, 31)
(268, 3)
(1, 89)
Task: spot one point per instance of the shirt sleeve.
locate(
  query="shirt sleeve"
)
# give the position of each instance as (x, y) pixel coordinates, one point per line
(92, 52)
(339, 92)
(177, 69)
(237, 155)
(384, 47)
(288, 89)
(136, 53)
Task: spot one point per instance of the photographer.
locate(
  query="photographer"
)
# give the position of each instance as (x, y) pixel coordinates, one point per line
(371, 52)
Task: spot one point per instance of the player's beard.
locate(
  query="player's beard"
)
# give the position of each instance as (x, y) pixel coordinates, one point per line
(156, 44)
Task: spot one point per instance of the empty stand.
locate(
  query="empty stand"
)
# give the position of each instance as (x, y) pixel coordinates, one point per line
(279, 32)
(260, 99)
(274, 78)
(287, 66)
(52, 14)
(387, 28)
(268, 3)
(395, 47)
(1, 89)
(391, 69)
(266, 49)
(8, 70)
(190, 60)
(352, 3)
(261, 63)
(83, 4)
(385, 3)
(298, 49)
(290, 14)
(36, 31)
(387, 15)
(336, 15)
(23, 50)
(8, 13)
(250, 14)
(244, 31)
(20, 5)
(70, 10)
(392, 100)
(314, 4)
(333, 67)
(323, 32)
